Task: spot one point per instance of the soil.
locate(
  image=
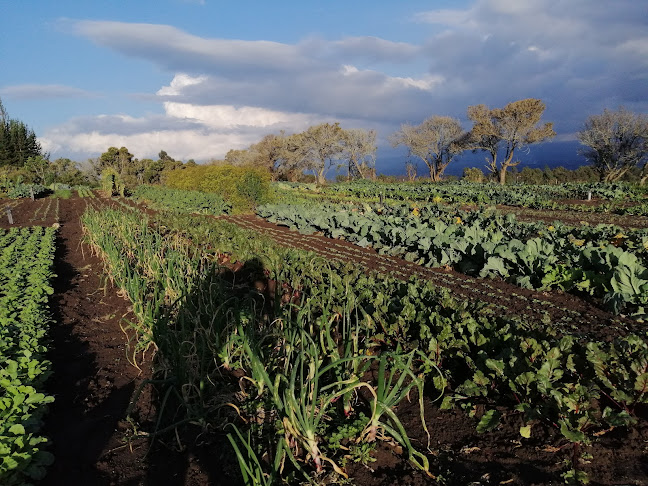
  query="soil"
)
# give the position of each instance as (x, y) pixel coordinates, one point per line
(95, 384)
(577, 218)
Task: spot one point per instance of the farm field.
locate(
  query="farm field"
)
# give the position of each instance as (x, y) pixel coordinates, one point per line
(186, 345)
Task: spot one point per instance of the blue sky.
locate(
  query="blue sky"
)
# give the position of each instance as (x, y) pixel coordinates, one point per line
(196, 78)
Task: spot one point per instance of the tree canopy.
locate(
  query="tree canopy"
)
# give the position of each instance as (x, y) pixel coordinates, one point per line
(507, 129)
(616, 142)
(17, 141)
(436, 142)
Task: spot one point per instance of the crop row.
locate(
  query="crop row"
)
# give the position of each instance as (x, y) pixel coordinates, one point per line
(303, 331)
(534, 307)
(477, 193)
(182, 201)
(26, 257)
(601, 261)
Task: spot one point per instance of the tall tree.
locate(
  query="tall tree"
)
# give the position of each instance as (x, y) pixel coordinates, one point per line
(40, 169)
(268, 152)
(359, 147)
(436, 141)
(616, 142)
(319, 147)
(510, 128)
(118, 159)
(17, 141)
(240, 157)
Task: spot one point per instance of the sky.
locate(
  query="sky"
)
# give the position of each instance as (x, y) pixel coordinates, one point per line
(197, 78)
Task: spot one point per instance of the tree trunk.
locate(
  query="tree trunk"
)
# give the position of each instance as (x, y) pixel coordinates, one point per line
(434, 176)
(321, 179)
(502, 175)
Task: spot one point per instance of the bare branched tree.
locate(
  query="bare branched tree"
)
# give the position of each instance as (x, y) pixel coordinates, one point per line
(359, 147)
(510, 128)
(318, 147)
(436, 142)
(616, 142)
(411, 170)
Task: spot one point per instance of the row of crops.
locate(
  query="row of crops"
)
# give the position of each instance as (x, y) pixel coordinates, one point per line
(26, 257)
(325, 352)
(612, 198)
(182, 201)
(602, 261)
(477, 193)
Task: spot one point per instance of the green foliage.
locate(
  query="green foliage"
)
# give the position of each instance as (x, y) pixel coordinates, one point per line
(181, 200)
(26, 257)
(21, 190)
(601, 261)
(243, 187)
(305, 349)
(17, 141)
(112, 182)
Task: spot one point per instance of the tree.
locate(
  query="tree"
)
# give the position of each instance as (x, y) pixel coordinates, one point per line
(436, 142)
(152, 171)
(17, 141)
(239, 157)
(411, 170)
(510, 128)
(616, 142)
(531, 176)
(40, 169)
(269, 151)
(67, 171)
(291, 161)
(359, 147)
(318, 147)
(118, 159)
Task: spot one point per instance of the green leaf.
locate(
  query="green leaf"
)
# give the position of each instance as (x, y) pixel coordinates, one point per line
(489, 421)
(525, 431)
(571, 435)
(17, 429)
(641, 383)
(496, 365)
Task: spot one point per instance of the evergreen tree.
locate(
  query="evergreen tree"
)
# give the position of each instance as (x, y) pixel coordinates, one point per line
(17, 141)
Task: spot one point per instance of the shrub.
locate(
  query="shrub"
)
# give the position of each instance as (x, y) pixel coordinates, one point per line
(25, 190)
(244, 187)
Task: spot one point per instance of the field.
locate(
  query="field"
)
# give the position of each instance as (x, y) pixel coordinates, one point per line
(360, 334)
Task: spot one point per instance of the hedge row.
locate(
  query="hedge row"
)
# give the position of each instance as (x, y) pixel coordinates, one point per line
(244, 187)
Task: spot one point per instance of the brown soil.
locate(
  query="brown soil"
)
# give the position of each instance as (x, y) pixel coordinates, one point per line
(94, 383)
(576, 218)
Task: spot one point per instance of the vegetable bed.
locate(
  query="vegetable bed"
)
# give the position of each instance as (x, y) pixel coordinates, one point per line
(26, 258)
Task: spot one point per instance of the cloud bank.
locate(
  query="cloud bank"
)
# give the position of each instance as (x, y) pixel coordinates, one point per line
(578, 57)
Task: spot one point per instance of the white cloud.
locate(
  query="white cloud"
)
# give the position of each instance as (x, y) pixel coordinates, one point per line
(578, 56)
(185, 130)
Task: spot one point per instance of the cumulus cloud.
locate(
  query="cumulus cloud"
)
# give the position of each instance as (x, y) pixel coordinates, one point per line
(578, 57)
(185, 130)
(44, 91)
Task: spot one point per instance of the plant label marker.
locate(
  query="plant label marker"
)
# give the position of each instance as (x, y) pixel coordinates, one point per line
(9, 215)
(589, 196)
(31, 192)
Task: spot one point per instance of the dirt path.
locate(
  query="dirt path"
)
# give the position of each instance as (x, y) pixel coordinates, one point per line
(565, 311)
(576, 218)
(92, 380)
